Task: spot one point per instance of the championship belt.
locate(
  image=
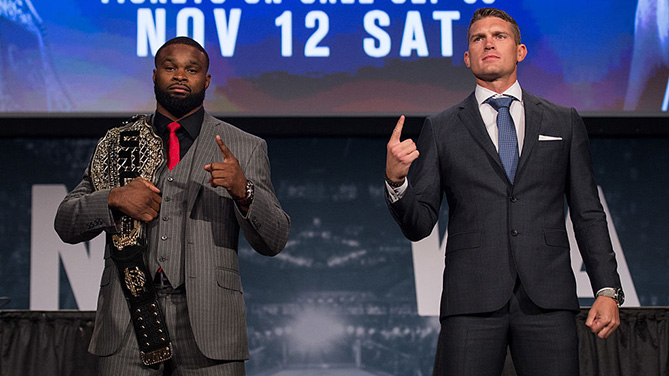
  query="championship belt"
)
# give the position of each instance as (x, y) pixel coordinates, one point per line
(125, 153)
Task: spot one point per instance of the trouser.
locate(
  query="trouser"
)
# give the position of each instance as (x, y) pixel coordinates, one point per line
(542, 342)
(187, 359)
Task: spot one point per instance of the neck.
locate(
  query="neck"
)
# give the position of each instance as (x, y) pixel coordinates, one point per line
(498, 85)
(494, 86)
(166, 113)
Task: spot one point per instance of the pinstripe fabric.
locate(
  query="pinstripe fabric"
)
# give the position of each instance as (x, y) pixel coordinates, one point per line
(210, 224)
(166, 233)
(188, 360)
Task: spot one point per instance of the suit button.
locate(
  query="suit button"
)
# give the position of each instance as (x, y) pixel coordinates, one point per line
(166, 218)
(170, 179)
(514, 199)
(162, 259)
(514, 233)
(167, 198)
(164, 237)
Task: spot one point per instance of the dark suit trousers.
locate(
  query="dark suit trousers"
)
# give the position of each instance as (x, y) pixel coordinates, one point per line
(542, 342)
(187, 359)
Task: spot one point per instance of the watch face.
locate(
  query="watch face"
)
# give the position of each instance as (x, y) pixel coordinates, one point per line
(620, 296)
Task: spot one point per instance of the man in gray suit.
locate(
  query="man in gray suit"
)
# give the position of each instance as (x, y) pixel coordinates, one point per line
(193, 216)
(508, 279)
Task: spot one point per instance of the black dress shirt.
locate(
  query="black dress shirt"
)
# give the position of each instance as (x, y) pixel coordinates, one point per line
(187, 134)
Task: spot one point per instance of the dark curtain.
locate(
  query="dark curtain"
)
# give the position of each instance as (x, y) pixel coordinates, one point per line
(640, 346)
(54, 343)
(46, 343)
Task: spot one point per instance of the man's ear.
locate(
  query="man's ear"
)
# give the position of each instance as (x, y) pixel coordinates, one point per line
(522, 52)
(466, 59)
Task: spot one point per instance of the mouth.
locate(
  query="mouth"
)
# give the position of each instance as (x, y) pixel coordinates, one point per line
(490, 57)
(179, 88)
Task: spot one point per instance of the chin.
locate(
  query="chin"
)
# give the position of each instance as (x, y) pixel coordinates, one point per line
(488, 76)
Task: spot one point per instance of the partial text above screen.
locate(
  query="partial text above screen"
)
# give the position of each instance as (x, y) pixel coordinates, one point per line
(326, 57)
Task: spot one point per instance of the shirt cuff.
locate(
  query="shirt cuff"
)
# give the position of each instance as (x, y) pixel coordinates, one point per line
(395, 194)
(602, 289)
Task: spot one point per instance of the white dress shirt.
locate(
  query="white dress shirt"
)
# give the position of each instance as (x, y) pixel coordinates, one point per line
(489, 114)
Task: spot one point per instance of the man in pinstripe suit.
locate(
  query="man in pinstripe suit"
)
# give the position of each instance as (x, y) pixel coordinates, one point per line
(193, 216)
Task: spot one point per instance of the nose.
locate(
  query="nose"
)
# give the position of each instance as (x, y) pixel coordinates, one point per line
(179, 75)
(489, 44)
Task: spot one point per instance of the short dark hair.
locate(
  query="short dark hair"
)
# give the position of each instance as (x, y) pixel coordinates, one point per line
(494, 12)
(182, 40)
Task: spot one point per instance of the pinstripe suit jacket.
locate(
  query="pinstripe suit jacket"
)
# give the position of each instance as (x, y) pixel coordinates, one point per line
(498, 231)
(211, 233)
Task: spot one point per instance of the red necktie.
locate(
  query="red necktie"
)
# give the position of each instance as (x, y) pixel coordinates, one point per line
(173, 157)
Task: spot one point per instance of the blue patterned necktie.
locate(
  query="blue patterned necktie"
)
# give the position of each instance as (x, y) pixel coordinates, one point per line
(508, 142)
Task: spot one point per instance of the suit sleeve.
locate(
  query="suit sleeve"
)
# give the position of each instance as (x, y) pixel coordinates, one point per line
(587, 213)
(417, 211)
(266, 226)
(84, 213)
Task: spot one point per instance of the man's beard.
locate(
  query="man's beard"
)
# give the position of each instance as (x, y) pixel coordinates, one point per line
(179, 106)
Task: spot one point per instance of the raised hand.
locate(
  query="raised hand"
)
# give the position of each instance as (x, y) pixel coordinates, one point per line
(400, 154)
(138, 199)
(227, 174)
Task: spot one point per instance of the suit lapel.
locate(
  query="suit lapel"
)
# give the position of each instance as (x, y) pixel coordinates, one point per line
(206, 151)
(533, 118)
(471, 117)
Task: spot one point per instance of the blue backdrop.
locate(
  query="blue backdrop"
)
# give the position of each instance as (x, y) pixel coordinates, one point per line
(326, 57)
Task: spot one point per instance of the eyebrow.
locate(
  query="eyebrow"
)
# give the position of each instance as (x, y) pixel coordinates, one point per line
(494, 32)
(190, 62)
(474, 36)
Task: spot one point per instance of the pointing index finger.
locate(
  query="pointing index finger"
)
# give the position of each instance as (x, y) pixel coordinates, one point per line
(224, 149)
(397, 132)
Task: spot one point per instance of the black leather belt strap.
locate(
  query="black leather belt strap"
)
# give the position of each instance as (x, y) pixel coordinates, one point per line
(125, 153)
(147, 317)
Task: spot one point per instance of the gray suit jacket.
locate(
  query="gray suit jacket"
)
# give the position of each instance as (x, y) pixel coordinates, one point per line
(497, 231)
(212, 281)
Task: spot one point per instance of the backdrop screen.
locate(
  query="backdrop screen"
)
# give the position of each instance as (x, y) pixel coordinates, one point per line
(326, 57)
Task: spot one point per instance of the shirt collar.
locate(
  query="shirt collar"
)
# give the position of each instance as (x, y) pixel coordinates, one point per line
(191, 124)
(482, 94)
